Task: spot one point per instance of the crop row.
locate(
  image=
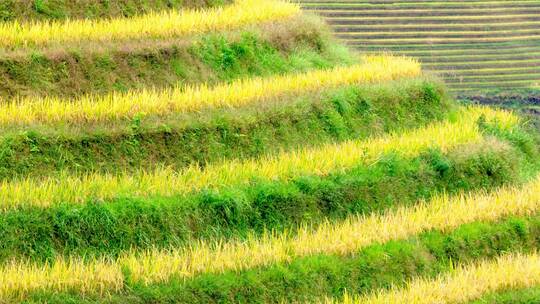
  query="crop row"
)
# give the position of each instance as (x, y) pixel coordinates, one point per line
(465, 283)
(340, 238)
(153, 25)
(374, 267)
(112, 227)
(91, 9)
(66, 188)
(346, 112)
(189, 99)
(434, 31)
(295, 44)
(435, 27)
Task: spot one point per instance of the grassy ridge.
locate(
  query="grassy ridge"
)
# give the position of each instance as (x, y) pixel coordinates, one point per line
(374, 267)
(292, 45)
(348, 112)
(336, 238)
(516, 296)
(26, 10)
(283, 166)
(112, 227)
(471, 281)
(190, 99)
(346, 238)
(232, 152)
(167, 24)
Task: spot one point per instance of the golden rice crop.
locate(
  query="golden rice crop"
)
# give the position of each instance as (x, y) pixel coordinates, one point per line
(343, 238)
(283, 166)
(443, 213)
(100, 277)
(184, 99)
(463, 284)
(154, 25)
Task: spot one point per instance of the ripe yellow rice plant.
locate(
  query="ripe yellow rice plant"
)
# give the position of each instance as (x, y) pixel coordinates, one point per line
(184, 99)
(443, 213)
(343, 238)
(98, 277)
(154, 25)
(463, 284)
(283, 166)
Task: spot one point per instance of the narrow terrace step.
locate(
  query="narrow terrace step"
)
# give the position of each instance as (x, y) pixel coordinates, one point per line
(435, 28)
(471, 44)
(352, 20)
(355, 34)
(405, 6)
(433, 41)
(487, 72)
(481, 58)
(498, 84)
(427, 13)
(437, 53)
(526, 77)
(484, 65)
(532, 43)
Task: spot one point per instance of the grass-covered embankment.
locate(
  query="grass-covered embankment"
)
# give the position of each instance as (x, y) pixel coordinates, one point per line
(183, 99)
(374, 267)
(162, 25)
(378, 250)
(526, 295)
(466, 282)
(321, 160)
(40, 10)
(291, 45)
(211, 135)
(111, 227)
(234, 199)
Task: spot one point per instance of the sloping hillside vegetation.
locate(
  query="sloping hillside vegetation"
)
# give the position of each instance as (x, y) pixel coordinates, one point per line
(236, 152)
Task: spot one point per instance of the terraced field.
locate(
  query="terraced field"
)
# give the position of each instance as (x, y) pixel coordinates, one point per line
(197, 151)
(474, 45)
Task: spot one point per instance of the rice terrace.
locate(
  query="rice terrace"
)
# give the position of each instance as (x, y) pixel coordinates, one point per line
(270, 151)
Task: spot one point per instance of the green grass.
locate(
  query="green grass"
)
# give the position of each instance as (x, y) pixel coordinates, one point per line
(378, 266)
(292, 46)
(32, 10)
(110, 227)
(234, 206)
(349, 112)
(521, 296)
(114, 226)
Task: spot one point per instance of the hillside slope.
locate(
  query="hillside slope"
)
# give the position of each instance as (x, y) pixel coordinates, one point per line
(475, 45)
(238, 153)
